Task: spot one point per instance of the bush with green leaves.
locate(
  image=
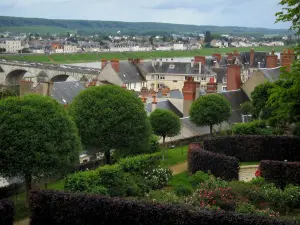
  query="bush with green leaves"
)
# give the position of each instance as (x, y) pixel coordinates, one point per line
(291, 196)
(182, 190)
(154, 144)
(163, 196)
(81, 181)
(139, 164)
(296, 129)
(247, 208)
(257, 127)
(158, 177)
(259, 181)
(198, 178)
(98, 190)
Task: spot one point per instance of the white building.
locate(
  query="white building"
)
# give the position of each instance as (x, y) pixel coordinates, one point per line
(11, 46)
(178, 47)
(70, 48)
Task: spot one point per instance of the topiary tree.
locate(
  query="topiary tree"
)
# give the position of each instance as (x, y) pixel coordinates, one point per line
(209, 110)
(165, 124)
(110, 117)
(38, 138)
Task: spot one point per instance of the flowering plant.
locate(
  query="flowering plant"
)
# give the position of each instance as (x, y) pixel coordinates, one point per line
(158, 177)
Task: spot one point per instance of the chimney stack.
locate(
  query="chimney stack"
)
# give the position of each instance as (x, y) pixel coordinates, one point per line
(230, 58)
(272, 60)
(252, 57)
(115, 65)
(233, 77)
(154, 103)
(287, 58)
(189, 95)
(200, 59)
(211, 86)
(103, 63)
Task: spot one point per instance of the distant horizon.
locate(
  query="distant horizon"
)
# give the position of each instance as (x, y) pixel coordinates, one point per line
(144, 22)
(221, 13)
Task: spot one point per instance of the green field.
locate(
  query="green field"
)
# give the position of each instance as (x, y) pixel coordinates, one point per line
(92, 57)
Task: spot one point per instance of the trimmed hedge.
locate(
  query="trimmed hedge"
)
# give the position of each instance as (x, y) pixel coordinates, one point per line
(250, 148)
(51, 207)
(281, 173)
(221, 166)
(7, 212)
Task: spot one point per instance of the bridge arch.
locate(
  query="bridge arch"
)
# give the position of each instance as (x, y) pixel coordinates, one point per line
(60, 78)
(14, 76)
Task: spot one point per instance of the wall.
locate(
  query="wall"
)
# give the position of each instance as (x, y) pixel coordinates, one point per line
(108, 74)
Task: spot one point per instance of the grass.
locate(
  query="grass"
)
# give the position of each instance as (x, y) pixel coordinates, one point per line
(249, 163)
(181, 179)
(175, 156)
(92, 57)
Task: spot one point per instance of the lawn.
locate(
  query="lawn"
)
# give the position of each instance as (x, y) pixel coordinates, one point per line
(175, 156)
(92, 57)
(181, 179)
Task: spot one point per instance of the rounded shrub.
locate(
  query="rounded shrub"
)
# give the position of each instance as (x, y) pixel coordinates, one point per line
(182, 190)
(98, 190)
(198, 178)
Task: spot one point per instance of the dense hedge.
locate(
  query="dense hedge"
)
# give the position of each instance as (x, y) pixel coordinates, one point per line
(7, 212)
(255, 148)
(50, 207)
(221, 166)
(281, 173)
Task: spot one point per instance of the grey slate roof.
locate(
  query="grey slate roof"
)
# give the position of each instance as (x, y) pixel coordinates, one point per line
(129, 73)
(271, 74)
(198, 130)
(66, 91)
(258, 57)
(173, 94)
(235, 98)
(165, 105)
(221, 72)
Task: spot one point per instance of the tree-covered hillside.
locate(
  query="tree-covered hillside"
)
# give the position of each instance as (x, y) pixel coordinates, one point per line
(111, 27)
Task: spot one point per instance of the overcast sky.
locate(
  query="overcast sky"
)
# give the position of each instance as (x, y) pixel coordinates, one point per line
(249, 13)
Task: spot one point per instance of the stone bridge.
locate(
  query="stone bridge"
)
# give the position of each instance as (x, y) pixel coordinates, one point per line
(11, 72)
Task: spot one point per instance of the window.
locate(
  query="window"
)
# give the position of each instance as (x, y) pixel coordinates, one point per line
(162, 77)
(224, 88)
(203, 78)
(152, 77)
(174, 81)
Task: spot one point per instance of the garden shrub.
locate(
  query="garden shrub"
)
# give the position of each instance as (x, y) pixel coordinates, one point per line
(51, 207)
(131, 186)
(98, 190)
(250, 148)
(154, 144)
(247, 208)
(198, 178)
(291, 196)
(139, 164)
(81, 181)
(257, 127)
(163, 196)
(158, 177)
(7, 212)
(221, 166)
(259, 181)
(296, 130)
(182, 190)
(281, 173)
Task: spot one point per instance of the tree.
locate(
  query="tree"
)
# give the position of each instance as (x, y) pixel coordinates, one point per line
(247, 108)
(259, 98)
(109, 117)
(38, 138)
(209, 110)
(207, 38)
(165, 124)
(2, 50)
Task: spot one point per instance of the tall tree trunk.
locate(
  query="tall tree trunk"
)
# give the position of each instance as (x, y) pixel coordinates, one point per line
(107, 156)
(211, 129)
(28, 182)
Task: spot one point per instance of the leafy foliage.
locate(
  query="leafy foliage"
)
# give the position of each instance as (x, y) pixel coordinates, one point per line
(7, 212)
(247, 108)
(182, 190)
(209, 110)
(257, 127)
(4, 93)
(38, 138)
(250, 148)
(165, 123)
(109, 117)
(50, 207)
(198, 178)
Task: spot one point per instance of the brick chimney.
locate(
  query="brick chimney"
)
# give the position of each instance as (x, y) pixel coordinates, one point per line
(200, 59)
(217, 56)
(103, 63)
(230, 58)
(233, 77)
(189, 94)
(272, 60)
(115, 63)
(25, 87)
(211, 86)
(287, 58)
(251, 57)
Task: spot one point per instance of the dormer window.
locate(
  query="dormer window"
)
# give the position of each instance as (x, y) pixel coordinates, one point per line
(172, 66)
